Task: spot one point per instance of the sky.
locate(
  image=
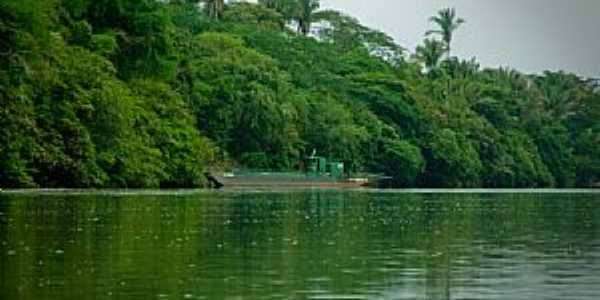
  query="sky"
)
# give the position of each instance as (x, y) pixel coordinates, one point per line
(528, 35)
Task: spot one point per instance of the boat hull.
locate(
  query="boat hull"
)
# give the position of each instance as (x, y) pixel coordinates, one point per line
(296, 181)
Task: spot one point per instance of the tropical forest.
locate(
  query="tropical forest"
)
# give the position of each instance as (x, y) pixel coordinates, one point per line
(153, 94)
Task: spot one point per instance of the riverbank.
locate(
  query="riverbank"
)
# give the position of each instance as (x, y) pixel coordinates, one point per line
(281, 189)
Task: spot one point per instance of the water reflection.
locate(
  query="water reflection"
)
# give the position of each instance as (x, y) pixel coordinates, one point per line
(300, 245)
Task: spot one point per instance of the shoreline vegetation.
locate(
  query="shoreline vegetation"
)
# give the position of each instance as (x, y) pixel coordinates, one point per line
(284, 190)
(152, 94)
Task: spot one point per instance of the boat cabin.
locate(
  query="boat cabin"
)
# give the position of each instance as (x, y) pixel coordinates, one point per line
(319, 166)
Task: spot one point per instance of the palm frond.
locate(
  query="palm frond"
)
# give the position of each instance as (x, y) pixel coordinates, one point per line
(431, 32)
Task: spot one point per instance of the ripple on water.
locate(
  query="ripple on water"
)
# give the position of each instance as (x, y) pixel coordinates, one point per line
(262, 246)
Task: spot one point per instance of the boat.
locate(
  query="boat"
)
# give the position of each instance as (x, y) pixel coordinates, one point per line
(315, 172)
(282, 179)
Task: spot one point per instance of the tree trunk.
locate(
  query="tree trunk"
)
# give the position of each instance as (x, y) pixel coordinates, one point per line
(303, 27)
(215, 8)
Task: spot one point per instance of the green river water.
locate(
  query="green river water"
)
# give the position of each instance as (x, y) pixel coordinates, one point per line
(299, 244)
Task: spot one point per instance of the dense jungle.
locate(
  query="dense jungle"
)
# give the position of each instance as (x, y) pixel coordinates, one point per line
(148, 93)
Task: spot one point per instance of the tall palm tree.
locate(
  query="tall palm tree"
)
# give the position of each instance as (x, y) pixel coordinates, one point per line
(448, 23)
(430, 53)
(304, 14)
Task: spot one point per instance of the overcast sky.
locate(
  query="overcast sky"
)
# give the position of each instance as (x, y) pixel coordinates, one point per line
(529, 35)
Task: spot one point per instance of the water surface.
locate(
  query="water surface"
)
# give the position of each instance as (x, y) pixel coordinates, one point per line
(299, 244)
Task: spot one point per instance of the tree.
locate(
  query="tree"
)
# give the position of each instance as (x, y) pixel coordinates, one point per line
(256, 16)
(448, 23)
(403, 161)
(332, 131)
(347, 34)
(173, 131)
(562, 94)
(430, 53)
(24, 31)
(453, 161)
(241, 101)
(301, 12)
(284, 7)
(214, 8)
(304, 14)
(135, 93)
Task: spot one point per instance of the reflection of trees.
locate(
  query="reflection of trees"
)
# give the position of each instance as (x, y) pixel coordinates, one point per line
(279, 243)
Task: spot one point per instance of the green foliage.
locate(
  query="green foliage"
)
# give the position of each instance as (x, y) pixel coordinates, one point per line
(557, 155)
(452, 161)
(240, 100)
(172, 129)
(587, 157)
(145, 93)
(285, 7)
(188, 17)
(448, 23)
(331, 130)
(254, 15)
(511, 159)
(301, 12)
(403, 161)
(104, 44)
(347, 34)
(304, 14)
(430, 53)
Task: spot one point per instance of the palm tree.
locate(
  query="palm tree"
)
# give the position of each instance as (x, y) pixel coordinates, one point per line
(304, 14)
(430, 53)
(448, 23)
(562, 94)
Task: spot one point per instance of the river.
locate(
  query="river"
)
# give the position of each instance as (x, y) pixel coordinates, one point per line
(299, 244)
